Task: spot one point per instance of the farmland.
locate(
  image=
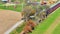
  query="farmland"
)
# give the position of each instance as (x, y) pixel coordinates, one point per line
(7, 19)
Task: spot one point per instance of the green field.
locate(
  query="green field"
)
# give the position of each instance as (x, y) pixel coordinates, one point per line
(42, 27)
(18, 7)
(57, 30)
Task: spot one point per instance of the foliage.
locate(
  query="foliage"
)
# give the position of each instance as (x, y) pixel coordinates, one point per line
(42, 27)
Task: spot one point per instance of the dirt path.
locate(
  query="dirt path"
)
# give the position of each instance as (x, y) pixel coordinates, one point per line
(53, 26)
(7, 19)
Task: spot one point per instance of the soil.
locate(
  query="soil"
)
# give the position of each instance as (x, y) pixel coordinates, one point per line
(7, 19)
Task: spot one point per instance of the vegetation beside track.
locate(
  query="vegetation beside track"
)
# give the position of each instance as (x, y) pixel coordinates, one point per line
(42, 27)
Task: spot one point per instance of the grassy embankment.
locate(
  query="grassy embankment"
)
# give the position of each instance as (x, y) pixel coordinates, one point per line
(42, 27)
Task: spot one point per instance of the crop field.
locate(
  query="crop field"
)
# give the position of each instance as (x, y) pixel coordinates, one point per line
(7, 19)
(48, 25)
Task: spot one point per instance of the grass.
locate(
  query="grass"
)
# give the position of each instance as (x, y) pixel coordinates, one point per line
(12, 8)
(41, 28)
(18, 29)
(1, 9)
(57, 30)
(18, 8)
